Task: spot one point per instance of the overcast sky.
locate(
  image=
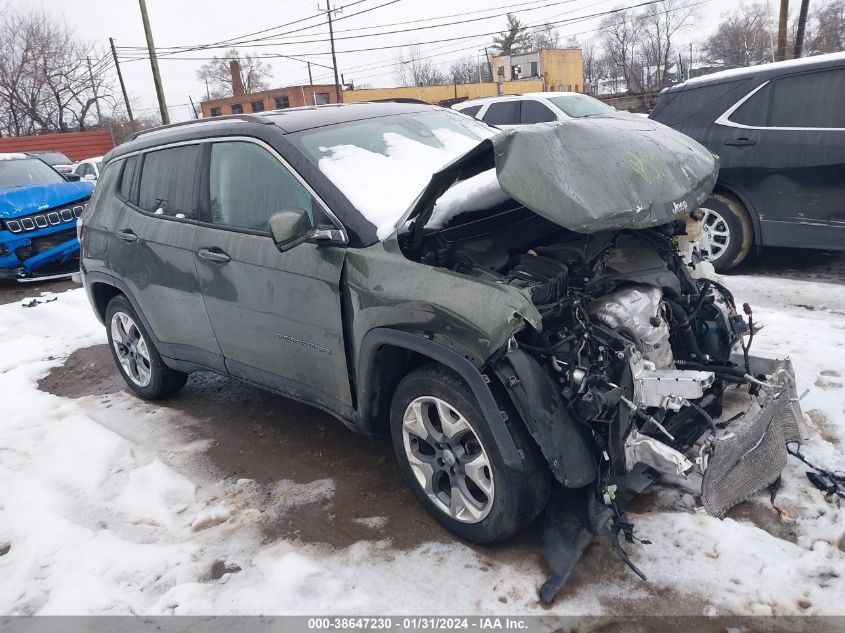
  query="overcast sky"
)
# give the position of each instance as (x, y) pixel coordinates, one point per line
(191, 22)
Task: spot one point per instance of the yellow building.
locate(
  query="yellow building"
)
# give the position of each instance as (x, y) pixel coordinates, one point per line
(559, 69)
(448, 92)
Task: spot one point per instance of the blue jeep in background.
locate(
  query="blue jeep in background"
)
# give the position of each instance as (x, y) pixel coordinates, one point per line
(38, 212)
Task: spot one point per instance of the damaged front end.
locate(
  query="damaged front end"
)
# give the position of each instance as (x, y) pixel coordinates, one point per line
(641, 366)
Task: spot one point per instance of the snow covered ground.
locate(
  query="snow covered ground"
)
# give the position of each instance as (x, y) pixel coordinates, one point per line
(106, 508)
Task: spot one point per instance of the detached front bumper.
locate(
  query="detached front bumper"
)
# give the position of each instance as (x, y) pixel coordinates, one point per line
(751, 452)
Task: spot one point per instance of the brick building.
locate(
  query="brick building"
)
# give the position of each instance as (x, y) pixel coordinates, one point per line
(275, 99)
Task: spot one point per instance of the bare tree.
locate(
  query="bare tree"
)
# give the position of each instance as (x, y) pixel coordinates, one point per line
(742, 38)
(660, 23)
(469, 70)
(543, 36)
(413, 70)
(255, 73)
(516, 39)
(621, 38)
(45, 83)
(594, 70)
(826, 34)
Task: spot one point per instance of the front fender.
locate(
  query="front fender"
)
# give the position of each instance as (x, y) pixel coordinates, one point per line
(369, 383)
(565, 444)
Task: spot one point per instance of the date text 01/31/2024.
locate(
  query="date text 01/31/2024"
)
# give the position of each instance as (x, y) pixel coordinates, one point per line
(418, 623)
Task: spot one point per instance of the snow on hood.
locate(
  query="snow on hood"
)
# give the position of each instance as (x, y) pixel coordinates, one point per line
(587, 175)
(383, 186)
(34, 198)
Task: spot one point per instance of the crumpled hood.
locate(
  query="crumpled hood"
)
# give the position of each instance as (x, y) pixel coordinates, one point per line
(25, 200)
(617, 171)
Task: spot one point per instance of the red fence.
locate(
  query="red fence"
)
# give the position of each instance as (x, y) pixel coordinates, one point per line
(74, 145)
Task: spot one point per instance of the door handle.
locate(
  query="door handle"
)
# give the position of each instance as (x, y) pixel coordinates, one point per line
(127, 235)
(213, 255)
(741, 142)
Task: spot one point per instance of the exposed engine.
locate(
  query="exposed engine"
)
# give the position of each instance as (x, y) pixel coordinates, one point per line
(637, 355)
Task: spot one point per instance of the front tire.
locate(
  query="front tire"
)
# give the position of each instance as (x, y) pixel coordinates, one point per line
(135, 355)
(728, 234)
(453, 463)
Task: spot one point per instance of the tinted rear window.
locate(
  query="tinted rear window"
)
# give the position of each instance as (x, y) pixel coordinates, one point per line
(168, 182)
(810, 100)
(471, 111)
(755, 110)
(127, 177)
(677, 107)
(536, 112)
(503, 113)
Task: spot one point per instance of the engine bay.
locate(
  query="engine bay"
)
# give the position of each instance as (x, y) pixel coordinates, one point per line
(638, 347)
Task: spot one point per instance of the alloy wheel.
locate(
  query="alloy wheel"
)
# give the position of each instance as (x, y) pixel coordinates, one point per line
(131, 349)
(715, 236)
(448, 459)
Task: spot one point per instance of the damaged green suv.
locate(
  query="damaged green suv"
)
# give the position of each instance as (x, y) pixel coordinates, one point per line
(521, 312)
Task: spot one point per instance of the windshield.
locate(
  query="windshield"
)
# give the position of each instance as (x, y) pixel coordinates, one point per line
(53, 158)
(578, 106)
(383, 164)
(26, 171)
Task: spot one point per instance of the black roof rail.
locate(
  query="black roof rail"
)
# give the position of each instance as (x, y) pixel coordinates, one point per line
(250, 118)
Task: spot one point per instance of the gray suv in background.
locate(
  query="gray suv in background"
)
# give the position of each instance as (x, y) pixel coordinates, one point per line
(779, 132)
(517, 311)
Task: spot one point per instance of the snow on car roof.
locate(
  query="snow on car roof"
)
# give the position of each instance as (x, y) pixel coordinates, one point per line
(543, 95)
(752, 70)
(13, 156)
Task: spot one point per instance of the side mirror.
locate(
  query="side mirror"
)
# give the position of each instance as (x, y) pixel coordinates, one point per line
(72, 177)
(292, 227)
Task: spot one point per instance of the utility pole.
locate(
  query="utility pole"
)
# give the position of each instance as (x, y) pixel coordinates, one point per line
(329, 11)
(94, 88)
(802, 25)
(193, 107)
(784, 16)
(489, 63)
(310, 79)
(151, 47)
(122, 85)
(689, 67)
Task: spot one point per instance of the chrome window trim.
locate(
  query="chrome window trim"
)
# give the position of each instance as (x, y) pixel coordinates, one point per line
(725, 121)
(249, 139)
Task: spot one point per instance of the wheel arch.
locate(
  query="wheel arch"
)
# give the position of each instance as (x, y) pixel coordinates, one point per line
(386, 355)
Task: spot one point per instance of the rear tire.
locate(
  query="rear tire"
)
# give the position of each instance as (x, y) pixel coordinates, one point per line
(453, 463)
(728, 232)
(135, 354)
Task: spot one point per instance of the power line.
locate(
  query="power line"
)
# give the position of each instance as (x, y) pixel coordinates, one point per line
(571, 21)
(438, 41)
(236, 41)
(257, 43)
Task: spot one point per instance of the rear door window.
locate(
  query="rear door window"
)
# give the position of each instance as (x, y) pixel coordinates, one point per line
(535, 112)
(810, 100)
(168, 182)
(503, 113)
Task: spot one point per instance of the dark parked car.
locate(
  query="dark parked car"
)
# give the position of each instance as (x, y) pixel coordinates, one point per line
(511, 309)
(779, 131)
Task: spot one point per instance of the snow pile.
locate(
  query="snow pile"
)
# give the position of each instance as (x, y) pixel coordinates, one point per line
(383, 186)
(106, 507)
(482, 191)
